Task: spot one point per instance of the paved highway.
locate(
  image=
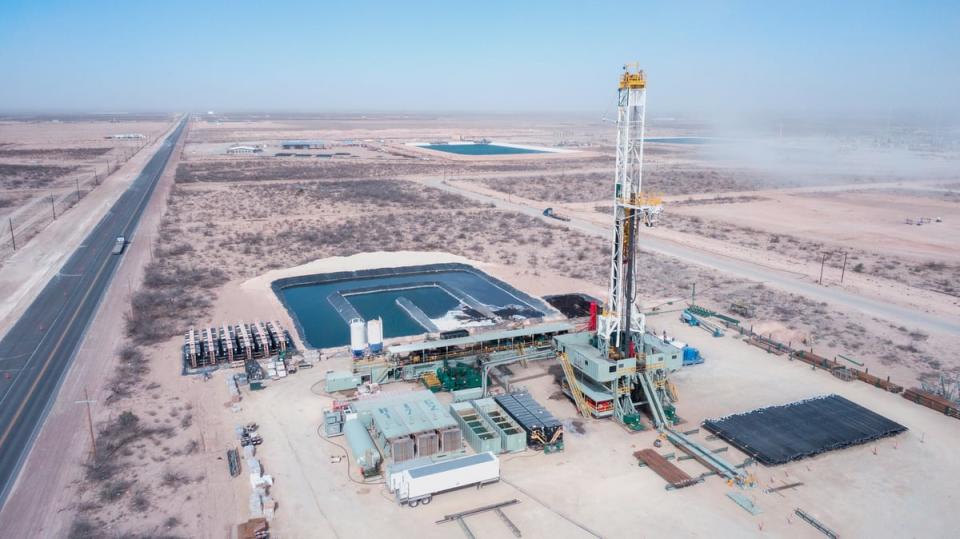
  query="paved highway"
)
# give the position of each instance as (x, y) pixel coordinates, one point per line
(37, 351)
(787, 281)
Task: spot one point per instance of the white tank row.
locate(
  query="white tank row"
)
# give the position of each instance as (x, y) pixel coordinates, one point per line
(367, 333)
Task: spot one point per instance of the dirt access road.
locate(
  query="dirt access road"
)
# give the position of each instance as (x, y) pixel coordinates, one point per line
(783, 280)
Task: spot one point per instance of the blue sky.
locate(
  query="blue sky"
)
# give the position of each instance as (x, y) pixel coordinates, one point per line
(701, 57)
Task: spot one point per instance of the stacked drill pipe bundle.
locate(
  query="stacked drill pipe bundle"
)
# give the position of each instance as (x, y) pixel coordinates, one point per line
(676, 477)
(864, 375)
(543, 430)
(934, 402)
(843, 373)
(770, 345)
(876, 381)
(813, 359)
(767, 344)
(780, 434)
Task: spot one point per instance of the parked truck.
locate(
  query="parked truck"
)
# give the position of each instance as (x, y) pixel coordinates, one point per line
(414, 486)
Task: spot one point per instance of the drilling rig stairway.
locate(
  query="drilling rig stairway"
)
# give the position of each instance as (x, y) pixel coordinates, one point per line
(653, 399)
(573, 385)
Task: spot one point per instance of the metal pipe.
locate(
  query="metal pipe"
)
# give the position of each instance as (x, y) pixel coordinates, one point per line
(485, 508)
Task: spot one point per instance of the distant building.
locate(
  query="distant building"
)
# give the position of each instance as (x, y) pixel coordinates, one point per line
(127, 136)
(303, 144)
(243, 150)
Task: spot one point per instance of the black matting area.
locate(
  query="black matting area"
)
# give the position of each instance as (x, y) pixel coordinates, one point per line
(780, 434)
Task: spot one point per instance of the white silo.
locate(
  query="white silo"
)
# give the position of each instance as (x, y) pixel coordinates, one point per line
(375, 335)
(358, 337)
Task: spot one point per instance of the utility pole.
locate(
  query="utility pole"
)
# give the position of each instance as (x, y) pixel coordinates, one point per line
(53, 208)
(78, 188)
(844, 270)
(93, 441)
(822, 261)
(13, 239)
(693, 295)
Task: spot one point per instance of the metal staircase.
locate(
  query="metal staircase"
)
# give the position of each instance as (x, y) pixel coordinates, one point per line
(573, 385)
(653, 398)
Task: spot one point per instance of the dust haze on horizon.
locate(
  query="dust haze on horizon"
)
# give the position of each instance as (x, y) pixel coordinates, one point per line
(744, 65)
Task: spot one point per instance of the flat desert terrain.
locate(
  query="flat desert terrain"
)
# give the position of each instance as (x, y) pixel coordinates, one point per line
(734, 230)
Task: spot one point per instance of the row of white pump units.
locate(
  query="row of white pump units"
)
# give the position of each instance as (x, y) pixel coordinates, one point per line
(364, 334)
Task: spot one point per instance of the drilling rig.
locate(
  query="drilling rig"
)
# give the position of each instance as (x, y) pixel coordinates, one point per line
(616, 368)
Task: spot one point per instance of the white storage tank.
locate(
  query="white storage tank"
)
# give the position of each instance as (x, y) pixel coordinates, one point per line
(375, 335)
(358, 337)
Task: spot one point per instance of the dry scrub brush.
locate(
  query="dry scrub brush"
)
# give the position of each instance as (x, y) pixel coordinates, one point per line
(15, 176)
(935, 276)
(279, 168)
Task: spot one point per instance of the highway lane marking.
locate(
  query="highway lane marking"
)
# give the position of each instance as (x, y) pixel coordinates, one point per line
(53, 353)
(46, 364)
(26, 363)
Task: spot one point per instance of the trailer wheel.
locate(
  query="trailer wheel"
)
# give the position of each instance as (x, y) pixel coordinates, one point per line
(413, 503)
(427, 500)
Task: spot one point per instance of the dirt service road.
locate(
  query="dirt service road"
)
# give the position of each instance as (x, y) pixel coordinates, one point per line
(785, 281)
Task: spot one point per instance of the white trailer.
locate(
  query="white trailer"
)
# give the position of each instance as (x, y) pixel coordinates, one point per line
(418, 485)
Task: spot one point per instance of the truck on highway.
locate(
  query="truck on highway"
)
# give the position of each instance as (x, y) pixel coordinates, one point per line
(418, 485)
(119, 245)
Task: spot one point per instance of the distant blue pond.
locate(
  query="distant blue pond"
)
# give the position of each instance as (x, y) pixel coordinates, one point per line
(449, 295)
(479, 149)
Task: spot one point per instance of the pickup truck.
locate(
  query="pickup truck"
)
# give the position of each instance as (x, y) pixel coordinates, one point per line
(119, 245)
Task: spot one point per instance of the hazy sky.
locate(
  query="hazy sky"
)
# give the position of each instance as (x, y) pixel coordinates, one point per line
(721, 58)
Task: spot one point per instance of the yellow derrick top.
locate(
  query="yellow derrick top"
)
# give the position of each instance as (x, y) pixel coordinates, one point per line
(632, 79)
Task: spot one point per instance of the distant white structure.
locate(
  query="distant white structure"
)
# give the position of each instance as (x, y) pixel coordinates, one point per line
(244, 150)
(127, 136)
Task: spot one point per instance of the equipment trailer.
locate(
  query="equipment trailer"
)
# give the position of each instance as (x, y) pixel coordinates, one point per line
(418, 485)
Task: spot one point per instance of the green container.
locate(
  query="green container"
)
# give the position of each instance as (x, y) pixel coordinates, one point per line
(476, 431)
